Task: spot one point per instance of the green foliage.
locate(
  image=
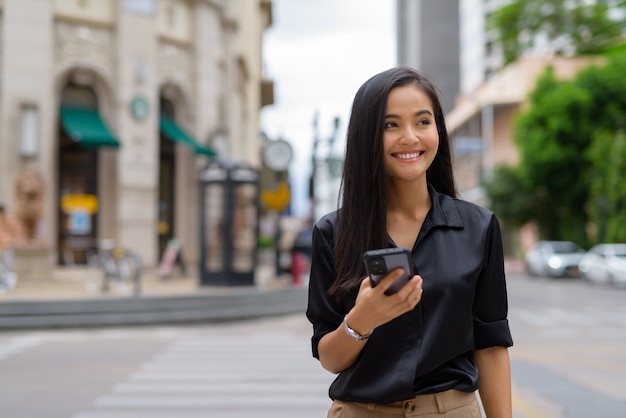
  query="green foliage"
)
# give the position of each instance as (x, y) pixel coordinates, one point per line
(572, 157)
(569, 27)
(607, 203)
(508, 196)
(550, 137)
(615, 50)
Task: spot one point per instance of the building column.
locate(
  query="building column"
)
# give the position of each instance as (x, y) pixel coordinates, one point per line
(487, 123)
(138, 129)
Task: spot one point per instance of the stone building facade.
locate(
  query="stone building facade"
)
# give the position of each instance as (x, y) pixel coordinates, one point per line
(119, 104)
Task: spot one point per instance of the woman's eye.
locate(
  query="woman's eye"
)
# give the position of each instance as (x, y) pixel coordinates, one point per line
(423, 122)
(390, 125)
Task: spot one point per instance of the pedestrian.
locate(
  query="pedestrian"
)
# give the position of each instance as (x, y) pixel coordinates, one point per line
(9, 230)
(427, 348)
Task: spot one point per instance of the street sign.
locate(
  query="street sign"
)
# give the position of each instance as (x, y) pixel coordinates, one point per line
(277, 199)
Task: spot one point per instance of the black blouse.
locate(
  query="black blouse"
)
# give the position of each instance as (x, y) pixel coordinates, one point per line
(458, 253)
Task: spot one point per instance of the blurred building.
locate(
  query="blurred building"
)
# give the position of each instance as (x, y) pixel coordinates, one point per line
(119, 103)
(481, 124)
(448, 41)
(481, 57)
(428, 40)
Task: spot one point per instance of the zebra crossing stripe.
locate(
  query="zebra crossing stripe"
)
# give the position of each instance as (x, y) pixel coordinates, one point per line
(17, 345)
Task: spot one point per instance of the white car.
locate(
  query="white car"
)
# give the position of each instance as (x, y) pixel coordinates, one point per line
(554, 259)
(605, 263)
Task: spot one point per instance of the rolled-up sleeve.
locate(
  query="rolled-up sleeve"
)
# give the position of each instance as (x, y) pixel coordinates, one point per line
(491, 326)
(322, 310)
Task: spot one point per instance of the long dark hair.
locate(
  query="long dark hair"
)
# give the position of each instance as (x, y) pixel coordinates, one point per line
(363, 213)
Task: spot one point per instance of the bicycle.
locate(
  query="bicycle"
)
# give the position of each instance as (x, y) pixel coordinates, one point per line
(115, 265)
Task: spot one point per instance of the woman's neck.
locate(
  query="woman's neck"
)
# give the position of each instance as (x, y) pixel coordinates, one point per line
(410, 199)
(407, 208)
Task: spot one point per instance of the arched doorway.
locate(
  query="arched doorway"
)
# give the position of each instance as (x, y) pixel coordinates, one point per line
(81, 134)
(177, 175)
(167, 171)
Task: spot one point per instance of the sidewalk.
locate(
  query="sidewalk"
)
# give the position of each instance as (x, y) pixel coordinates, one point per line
(70, 284)
(64, 300)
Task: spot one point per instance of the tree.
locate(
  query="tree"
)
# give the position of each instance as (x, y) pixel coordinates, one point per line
(606, 154)
(572, 156)
(607, 203)
(567, 27)
(551, 136)
(508, 196)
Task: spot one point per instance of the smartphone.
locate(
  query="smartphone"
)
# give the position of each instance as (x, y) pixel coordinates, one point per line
(378, 263)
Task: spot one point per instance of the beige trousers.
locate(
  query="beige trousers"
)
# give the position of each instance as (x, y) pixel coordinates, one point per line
(448, 404)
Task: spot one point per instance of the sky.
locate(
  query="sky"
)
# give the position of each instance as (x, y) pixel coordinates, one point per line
(319, 53)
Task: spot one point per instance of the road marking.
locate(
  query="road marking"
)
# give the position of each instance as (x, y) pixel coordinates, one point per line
(527, 409)
(301, 413)
(16, 345)
(204, 376)
(226, 377)
(557, 323)
(269, 387)
(222, 401)
(264, 375)
(576, 360)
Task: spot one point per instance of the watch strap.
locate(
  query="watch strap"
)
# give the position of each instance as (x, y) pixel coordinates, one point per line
(352, 333)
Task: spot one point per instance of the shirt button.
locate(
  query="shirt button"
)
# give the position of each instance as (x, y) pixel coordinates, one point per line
(409, 406)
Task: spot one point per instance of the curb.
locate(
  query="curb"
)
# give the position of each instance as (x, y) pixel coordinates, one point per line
(240, 303)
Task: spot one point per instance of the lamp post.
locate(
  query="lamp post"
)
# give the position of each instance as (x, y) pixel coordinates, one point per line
(315, 160)
(277, 156)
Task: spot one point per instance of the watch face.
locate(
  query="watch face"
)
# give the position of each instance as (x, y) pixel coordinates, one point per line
(277, 155)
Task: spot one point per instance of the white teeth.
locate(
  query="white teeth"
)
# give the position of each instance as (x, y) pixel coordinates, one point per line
(408, 156)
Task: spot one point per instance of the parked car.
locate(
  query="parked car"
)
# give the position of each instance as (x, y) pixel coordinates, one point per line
(605, 263)
(554, 259)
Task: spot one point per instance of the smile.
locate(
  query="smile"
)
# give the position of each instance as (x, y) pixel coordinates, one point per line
(408, 156)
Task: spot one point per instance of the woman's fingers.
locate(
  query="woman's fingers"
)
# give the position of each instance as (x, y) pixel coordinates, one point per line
(378, 308)
(410, 295)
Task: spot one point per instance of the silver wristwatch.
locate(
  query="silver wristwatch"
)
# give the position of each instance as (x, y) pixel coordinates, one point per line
(353, 334)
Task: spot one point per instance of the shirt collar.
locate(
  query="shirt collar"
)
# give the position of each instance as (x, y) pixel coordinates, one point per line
(443, 211)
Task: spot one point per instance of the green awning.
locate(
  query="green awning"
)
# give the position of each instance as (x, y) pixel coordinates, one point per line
(170, 129)
(87, 128)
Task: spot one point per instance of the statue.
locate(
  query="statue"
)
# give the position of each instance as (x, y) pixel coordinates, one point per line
(29, 194)
(30, 255)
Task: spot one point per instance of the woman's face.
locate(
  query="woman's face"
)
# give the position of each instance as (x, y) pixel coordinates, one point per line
(410, 138)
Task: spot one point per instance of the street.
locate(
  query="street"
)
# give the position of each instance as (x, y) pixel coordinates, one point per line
(259, 368)
(569, 361)
(569, 358)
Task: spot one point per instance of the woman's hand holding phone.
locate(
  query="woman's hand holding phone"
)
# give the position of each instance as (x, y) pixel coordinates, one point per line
(374, 307)
(379, 263)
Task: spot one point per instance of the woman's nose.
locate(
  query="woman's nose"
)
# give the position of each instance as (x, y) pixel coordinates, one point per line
(409, 135)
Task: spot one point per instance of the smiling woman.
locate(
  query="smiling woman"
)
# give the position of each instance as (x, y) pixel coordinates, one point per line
(424, 348)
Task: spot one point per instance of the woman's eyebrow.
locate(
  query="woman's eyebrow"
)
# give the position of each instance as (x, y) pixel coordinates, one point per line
(421, 112)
